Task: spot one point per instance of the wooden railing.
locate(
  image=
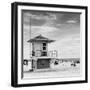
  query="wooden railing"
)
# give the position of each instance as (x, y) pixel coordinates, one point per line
(40, 53)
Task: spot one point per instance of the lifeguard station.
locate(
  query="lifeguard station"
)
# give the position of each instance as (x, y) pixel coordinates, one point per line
(40, 56)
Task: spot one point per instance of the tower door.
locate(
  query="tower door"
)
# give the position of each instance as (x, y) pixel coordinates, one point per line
(43, 63)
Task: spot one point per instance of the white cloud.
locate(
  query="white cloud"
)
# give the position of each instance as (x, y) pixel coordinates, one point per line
(71, 21)
(58, 24)
(44, 30)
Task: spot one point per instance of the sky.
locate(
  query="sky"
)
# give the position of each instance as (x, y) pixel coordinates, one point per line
(63, 27)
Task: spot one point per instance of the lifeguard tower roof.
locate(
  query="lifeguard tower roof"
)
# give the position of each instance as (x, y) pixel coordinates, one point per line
(41, 39)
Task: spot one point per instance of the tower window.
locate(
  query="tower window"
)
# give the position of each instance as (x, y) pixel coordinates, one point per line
(44, 48)
(44, 44)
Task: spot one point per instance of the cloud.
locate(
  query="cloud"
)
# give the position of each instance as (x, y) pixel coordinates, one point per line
(49, 16)
(40, 19)
(67, 47)
(44, 30)
(71, 21)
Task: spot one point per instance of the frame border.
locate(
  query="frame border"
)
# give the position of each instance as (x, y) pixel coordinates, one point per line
(14, 43)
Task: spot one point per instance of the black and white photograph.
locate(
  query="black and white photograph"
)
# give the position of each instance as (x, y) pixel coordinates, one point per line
(51, 44)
